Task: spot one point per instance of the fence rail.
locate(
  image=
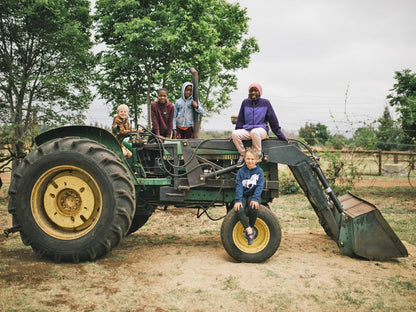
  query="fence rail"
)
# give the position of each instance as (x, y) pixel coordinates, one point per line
(373, 161)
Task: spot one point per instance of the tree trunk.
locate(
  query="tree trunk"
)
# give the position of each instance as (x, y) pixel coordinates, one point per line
(149, 123)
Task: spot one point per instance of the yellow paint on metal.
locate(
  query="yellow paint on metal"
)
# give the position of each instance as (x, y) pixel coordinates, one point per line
(260, 242)
(66, 202)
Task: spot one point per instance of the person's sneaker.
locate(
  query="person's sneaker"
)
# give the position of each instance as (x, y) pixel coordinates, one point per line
(250, 237)
(240, 162)
(260, 157)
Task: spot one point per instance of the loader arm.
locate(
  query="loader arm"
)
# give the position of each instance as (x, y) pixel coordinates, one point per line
(356, 225)
(302, 168)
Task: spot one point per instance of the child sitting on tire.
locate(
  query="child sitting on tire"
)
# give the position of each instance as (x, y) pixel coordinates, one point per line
(248, 188)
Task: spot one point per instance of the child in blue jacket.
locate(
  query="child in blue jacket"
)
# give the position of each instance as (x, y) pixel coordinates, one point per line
(183, 119)
(248, 188)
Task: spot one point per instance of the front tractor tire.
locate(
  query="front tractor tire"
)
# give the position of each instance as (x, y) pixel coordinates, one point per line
(72, 200)
(266, 241)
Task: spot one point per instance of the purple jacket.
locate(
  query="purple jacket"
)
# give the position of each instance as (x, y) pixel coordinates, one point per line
(257, 114)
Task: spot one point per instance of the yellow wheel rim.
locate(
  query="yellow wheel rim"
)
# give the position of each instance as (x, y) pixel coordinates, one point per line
(261, 239)
(66, 202)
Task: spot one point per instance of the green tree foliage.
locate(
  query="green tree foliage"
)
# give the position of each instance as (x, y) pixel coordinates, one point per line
(381, 134)
(403, 99)
(314, 134)
(388, 134)
(365, 137)
(153, 43)
(45, 66)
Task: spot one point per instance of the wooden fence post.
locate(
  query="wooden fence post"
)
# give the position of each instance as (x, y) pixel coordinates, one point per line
(379, 163)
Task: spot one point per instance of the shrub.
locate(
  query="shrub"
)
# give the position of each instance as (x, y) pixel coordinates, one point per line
(288, 184)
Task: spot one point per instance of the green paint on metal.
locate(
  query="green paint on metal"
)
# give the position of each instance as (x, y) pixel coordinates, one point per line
(170, 143)
(154, 181)
(346, 237)
(365, 233)
(93, 133)
(203, 151)
(208, 195)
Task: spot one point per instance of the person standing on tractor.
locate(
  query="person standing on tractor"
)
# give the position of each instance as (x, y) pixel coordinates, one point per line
(248, 188)
(121, 121)
(162, 112)
(183, 121)
(255, 113)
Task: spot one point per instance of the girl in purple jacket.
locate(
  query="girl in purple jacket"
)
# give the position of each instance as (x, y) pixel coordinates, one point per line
(252, 123)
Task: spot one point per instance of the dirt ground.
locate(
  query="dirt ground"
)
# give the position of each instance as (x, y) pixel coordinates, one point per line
(176, 262)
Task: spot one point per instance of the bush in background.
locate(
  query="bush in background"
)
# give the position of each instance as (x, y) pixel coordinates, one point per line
(288, 184)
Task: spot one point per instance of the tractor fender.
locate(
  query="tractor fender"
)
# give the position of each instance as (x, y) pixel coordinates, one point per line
(93, 133)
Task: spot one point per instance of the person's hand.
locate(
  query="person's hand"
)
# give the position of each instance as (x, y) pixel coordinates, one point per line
(237, 206)
(254, 204)
(174, 134)
(194, 104)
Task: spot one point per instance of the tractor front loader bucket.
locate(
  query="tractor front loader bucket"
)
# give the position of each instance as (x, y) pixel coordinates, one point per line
(365, 233)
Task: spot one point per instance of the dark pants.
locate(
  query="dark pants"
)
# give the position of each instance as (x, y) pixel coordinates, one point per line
(247, 211)
(185, 134)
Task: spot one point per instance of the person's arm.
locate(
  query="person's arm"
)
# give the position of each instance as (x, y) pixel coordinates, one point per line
(240, 118)
(155, 118)
(259, 187)
(198, 108)
(238, 187)
(274, 123)
(238, 206)
(175, 116)
(124, 126)
(170, 120)
(124, 129)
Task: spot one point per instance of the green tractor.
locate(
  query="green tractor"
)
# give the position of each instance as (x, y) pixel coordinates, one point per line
(75, 196)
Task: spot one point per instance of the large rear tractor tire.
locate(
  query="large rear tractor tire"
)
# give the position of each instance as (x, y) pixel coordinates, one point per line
(266, 241)
(72, 199)
(137, 223)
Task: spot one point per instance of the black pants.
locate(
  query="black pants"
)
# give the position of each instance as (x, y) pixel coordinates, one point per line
(247, 211)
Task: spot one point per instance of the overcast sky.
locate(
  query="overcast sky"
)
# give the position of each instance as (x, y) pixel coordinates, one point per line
(312, 52)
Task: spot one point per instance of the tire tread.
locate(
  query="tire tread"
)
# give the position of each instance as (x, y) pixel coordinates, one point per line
(124, 196)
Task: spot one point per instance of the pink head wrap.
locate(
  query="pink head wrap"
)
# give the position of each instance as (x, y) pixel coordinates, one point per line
(257, 86)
